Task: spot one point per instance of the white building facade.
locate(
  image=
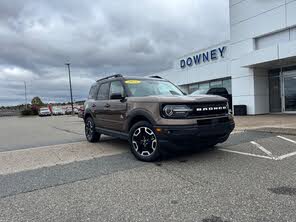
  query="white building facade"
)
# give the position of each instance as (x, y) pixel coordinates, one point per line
(257, 65)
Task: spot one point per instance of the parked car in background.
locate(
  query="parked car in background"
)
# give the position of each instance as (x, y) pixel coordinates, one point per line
(217, 91)
(57, 111)
(44, 111)
(221, 91)
(81, 112)
(76, 111)
(68, 111)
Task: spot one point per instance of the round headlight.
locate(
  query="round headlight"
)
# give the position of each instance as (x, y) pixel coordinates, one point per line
(168, 110)
(176, 111)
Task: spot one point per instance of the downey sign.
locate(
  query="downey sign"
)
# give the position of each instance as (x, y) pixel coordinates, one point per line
(207, 56)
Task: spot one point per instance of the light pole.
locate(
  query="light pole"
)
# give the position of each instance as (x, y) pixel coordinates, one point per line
(26, 94)
(70, 83)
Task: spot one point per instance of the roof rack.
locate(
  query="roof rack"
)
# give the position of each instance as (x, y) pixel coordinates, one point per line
(109, 77)
(156, 77)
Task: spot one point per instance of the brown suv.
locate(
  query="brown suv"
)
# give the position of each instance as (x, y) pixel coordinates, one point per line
(152, 113)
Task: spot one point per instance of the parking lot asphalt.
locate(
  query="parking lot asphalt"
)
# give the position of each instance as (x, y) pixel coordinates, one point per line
(241, 180)
(27, 132)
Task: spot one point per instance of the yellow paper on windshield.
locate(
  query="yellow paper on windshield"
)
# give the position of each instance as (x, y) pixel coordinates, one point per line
(131, 81)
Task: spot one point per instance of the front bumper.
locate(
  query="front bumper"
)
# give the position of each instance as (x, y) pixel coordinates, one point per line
(207, 132)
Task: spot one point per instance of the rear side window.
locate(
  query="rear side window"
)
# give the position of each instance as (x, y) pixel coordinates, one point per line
(103, 93)
(93, 92)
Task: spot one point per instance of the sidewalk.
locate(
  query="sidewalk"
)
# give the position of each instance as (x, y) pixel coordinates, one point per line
(274, 123)
(46, 156)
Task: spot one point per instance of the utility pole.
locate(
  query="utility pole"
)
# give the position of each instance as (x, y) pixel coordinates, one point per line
(26, 95)
(70, 83)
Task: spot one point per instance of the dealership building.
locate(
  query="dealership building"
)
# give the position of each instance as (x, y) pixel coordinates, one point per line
(257, 65)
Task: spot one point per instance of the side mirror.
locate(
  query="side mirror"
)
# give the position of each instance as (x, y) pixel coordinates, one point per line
(117, 96)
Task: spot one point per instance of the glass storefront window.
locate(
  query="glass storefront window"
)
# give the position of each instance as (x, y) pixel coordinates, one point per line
(193, 87)
(290, 92)
(184, 88)
(282, 90)
(227, 85)
(215, 84)
(205, 86)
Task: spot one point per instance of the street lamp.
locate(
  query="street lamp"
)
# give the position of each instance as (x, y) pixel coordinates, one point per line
(26, 103)
(70, 83)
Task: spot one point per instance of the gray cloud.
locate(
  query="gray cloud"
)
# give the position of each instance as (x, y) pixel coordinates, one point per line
(98, 38)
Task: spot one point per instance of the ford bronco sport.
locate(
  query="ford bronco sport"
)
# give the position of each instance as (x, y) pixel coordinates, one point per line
(152, 113)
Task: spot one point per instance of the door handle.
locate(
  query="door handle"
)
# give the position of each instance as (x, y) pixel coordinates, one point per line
(107, 105)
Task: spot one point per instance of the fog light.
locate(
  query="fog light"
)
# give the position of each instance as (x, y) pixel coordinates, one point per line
(158, 130)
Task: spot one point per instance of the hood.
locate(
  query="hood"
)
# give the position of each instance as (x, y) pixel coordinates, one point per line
(179, 99)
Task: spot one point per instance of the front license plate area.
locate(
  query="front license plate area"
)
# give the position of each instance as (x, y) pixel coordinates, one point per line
(206, 122)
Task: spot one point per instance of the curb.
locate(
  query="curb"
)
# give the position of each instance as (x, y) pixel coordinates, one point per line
(286, 131)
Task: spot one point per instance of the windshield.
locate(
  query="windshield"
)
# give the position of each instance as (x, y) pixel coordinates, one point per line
(145, 87)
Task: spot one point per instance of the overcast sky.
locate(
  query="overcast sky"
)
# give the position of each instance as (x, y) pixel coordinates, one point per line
(133, 37)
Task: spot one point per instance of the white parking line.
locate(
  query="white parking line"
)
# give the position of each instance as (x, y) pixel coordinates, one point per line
(287, 139)
(270, 155)
(286, 156)
(262, 148)
(247, 154)
(237, 131)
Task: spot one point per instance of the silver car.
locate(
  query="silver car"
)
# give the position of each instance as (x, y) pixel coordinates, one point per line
(44, 112)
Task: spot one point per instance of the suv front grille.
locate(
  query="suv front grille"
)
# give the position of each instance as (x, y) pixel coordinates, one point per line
(208, 109)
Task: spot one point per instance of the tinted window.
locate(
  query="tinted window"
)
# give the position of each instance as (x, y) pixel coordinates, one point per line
(103, 91)
(93, 92)
(116, 87)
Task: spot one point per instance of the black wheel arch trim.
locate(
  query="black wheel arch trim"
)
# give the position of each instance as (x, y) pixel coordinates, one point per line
(87, 113)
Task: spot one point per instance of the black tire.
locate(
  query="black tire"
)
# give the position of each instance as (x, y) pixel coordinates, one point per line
(211, 145)
(143, 142)
(90, 131)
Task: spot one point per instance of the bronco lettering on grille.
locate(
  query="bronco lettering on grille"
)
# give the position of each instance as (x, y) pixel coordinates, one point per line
(211, 108)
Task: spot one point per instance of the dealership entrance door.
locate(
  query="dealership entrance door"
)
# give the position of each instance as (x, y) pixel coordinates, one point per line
(282, 90)
(289, 91)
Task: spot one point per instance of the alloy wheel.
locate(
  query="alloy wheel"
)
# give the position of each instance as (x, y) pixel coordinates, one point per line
(89, 129)
(144, 141)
